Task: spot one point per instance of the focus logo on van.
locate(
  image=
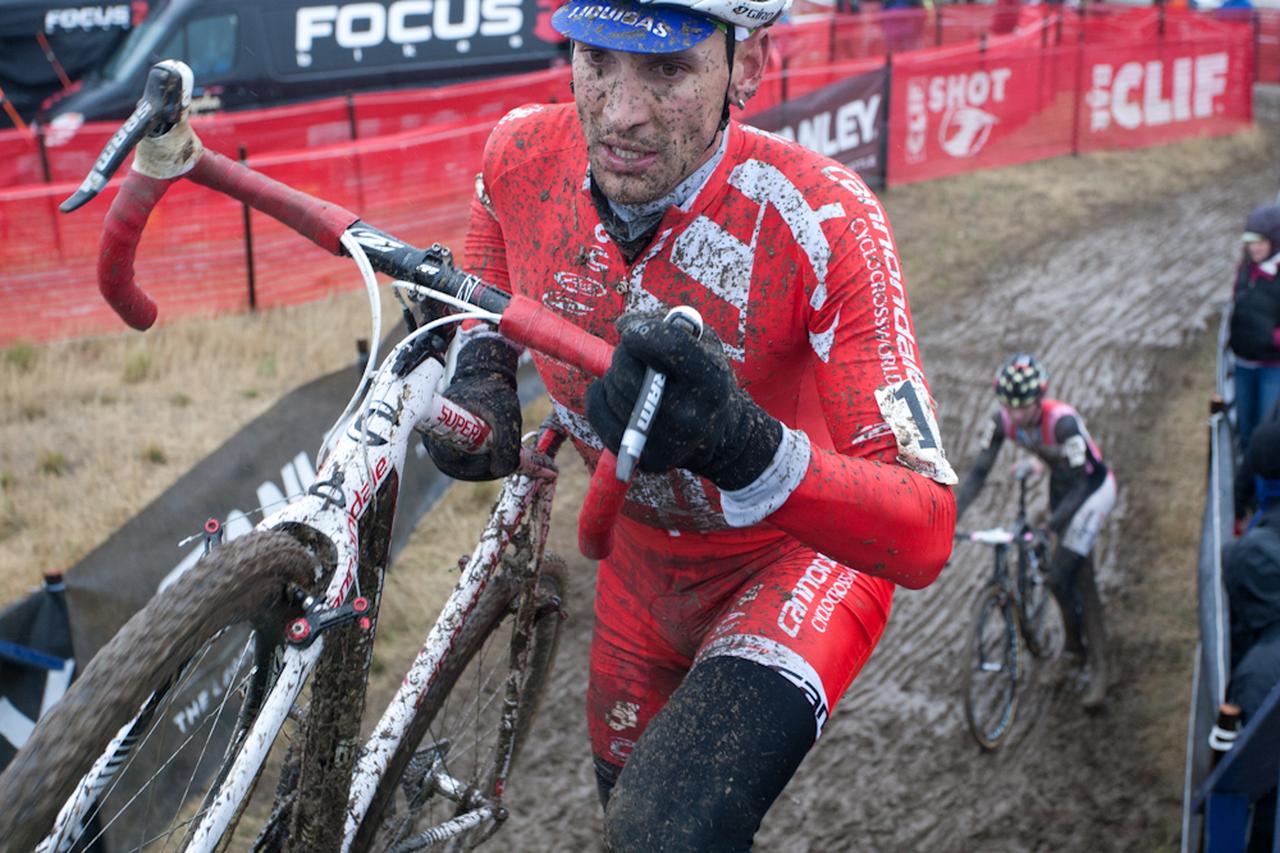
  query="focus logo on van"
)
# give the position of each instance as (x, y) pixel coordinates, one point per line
(369, 30)
(86, 18)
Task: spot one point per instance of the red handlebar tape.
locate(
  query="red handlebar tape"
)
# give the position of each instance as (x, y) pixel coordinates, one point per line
(319, 221)
(120, 233)
(544, 331)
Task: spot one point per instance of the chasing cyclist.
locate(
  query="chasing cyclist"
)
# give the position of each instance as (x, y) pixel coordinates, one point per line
(794, 475)
(1082, 491)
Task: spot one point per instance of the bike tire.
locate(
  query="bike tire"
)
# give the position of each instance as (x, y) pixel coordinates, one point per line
(392, 816)
(1037, 607)
(245, 580)
(991, 679)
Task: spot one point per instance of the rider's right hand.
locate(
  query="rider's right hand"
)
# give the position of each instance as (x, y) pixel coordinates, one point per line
(706, 423)
(484, 383)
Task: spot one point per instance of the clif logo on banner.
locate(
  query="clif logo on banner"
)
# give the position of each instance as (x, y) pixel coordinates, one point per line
(962, 100)
(1142, 94)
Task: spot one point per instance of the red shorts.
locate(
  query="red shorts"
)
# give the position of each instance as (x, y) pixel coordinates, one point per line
(664, 602)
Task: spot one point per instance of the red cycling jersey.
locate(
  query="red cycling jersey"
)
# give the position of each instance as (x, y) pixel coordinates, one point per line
(789, 258)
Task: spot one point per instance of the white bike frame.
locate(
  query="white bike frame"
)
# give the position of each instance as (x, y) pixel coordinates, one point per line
(369, 446)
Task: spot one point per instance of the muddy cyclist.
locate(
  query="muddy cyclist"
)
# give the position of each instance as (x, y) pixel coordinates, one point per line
(794, 476)
(1082, 492)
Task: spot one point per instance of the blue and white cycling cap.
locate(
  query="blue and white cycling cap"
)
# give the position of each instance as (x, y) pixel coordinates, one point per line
(634, 26)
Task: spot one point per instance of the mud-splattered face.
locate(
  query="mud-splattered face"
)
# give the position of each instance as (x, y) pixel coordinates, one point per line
(1259, 250)
(649, 119)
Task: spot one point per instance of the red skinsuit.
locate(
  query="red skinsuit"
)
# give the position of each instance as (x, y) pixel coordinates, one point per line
(789, 258)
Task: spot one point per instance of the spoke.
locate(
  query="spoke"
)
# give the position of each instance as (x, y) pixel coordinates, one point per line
(208, 722)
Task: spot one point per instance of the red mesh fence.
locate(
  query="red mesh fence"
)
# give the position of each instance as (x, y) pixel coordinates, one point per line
(1143, 94)
(383, 113)
(951, 114)
(1267, 45)
(955, 112)
(813, 40)
(19, 159)
(1026, 94)
(193, 258)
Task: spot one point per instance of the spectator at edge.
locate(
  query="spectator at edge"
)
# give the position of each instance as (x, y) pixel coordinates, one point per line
(1251, 575)
(1255, 321)
(1251, 489)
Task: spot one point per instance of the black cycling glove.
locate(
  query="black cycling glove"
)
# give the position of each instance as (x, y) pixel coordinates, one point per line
(484, 383)
(706, 423)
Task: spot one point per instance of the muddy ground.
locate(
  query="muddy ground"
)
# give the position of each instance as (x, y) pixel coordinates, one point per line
(1110, 267)
(1123, 309)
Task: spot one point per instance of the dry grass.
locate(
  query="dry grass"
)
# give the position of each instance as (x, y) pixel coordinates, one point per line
(1157, 613)
(92, 430)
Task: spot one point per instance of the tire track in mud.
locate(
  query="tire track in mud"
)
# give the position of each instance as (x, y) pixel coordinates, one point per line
(896, 768)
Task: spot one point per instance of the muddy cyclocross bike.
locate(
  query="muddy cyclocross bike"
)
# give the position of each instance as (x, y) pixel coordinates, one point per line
(1016, 606)
(307, 580)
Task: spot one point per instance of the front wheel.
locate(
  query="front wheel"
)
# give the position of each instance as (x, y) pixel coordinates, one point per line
(991, 681)
(173, 663)
(1040, 617)
(469, 728)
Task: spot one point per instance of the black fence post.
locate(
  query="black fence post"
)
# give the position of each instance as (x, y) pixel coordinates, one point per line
(248, 245)
(355, 135)
(1256, 20)
(884, 137)
(44, 154)
(1077, 95)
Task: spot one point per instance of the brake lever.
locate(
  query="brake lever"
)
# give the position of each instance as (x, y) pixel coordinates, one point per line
(166, 96)
(646, 406)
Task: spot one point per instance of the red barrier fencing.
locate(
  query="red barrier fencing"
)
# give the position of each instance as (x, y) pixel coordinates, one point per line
(193, 258)
(809, 42)
(1142, 94)
(953, 112)
(383, 113)
(1028, 94)
(1267, 45)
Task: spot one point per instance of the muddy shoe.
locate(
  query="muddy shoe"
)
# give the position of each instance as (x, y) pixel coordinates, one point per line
(1095, 694)
(1095, 641)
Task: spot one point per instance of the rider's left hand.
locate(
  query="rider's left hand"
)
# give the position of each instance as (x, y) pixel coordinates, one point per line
(706, 423)
(484, 383)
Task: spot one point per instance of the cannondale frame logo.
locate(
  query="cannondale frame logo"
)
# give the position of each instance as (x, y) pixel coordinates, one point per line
(961, 106)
